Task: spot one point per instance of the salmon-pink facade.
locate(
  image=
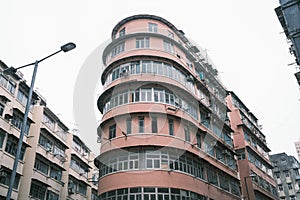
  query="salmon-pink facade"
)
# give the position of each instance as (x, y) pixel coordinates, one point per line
(254, 164)
(165, 133)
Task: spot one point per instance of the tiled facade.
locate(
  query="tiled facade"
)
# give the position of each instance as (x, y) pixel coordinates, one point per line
(165, 132)
(54, 163)
(286, 172)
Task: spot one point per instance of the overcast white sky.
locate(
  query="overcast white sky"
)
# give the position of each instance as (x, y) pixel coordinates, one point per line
(243, 38)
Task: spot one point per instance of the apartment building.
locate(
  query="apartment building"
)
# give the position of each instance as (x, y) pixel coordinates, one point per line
(54, 162)
(288, 14)
(297, 146)
(250, 144)
(165, 132)
(286, 172)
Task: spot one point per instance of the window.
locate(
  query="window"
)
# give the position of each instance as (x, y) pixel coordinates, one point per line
(156, 95)
(94, 195)
(122, 32)
(220, 155)
(112, 131)
(61, 133)
(11, 147)
(296, 171)
(22, 97)
(79, 167)
(137, 96)
(153, 159)
(59, 150)
(159, 95)
(142, 42)
(171, 127)
(147, 66)
(187, 134)
(235, 189)
(146, 95)
(46, 143)
(52, 196)
(198, 137)
(55, 173)
(82, 188)
(5, 180)
(41, 166)
(168, 47)
(38, 190)
(48, 122)
(280, 187)
(118, 49)
(72, 184)
(2, 136)
(17, 121)
(151, 193)
(141, 124)
(128, 125)
(152, 27)
(154, 124)
(224, 184)
(1, 109)
(212, 176)
(290, 186)
(76, 145)
(8, 84)
(133, 160)
(227, 139)
(205, 119)
(209, 145)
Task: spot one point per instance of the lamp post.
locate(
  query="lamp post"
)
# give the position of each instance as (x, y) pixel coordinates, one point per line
(65, 48)
(246, 186)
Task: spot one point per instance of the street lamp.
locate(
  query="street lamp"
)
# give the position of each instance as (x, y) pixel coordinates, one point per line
(65, 48)
(246, 186)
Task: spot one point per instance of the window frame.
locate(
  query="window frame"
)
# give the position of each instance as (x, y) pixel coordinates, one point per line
(152, 27)
(141, 124)
(112, 131)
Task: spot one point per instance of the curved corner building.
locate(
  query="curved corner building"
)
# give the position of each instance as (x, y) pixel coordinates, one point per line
(164, 132)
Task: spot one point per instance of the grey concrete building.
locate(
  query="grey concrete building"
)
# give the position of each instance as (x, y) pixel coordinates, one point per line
(288, 14)
(286, 173)
(297, 146)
